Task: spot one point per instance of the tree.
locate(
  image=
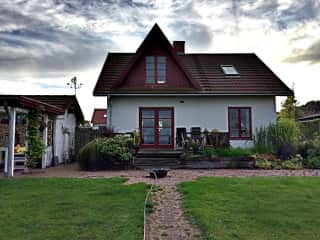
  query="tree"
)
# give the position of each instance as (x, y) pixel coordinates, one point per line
(289, 109)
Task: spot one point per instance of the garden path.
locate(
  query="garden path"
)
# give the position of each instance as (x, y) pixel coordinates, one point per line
(168, 221)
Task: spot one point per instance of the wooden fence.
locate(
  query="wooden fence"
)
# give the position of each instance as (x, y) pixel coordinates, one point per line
(86, 135)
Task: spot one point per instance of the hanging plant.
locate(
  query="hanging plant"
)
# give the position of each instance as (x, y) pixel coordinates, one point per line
(36, 147)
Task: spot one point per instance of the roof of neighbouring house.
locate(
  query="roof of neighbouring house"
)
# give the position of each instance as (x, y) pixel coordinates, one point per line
(310, 117)
(56, 104)
(203, 70)
(65, 102)
(99, 116)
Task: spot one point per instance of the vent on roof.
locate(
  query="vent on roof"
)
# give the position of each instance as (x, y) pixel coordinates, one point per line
(229, 70)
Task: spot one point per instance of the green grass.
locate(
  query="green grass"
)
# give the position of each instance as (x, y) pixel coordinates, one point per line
(71, 209)
(257, 208)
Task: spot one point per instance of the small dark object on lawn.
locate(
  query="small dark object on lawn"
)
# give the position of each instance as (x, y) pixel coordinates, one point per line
(161, 173)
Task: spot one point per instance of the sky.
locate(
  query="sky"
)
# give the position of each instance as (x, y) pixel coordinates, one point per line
(44, 43)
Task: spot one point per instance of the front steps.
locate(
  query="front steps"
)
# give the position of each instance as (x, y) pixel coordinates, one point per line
(151, 159)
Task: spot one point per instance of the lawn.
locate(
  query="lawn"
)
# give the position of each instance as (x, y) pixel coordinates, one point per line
(254, 208)
(71, 209)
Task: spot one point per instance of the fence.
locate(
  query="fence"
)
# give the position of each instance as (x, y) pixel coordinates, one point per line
(86, 135)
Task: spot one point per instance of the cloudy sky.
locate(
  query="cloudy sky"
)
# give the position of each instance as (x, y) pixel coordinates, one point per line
(44, 43)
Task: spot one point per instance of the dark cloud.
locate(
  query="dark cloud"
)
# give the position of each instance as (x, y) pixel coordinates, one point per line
(300, 11)
(311, 54)
(281, 18)
(196, 34)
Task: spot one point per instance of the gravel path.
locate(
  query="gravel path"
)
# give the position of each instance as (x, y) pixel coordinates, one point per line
(174, 176)
(168, 221)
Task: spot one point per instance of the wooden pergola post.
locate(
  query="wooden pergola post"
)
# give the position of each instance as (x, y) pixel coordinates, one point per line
(11, 143)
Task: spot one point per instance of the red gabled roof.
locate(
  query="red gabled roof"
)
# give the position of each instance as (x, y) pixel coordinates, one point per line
(99, 116)
(202, 70)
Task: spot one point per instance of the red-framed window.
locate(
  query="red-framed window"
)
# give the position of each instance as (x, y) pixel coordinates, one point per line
(156, 69)
(240, 123)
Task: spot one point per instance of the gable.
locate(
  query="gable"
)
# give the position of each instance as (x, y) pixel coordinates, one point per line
(155, 43)
(136, 78)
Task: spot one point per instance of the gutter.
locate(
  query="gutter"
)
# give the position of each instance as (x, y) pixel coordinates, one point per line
(190, 94)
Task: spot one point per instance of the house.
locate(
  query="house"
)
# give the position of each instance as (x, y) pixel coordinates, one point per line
(60, 116)
(99, 117)
(160, 88)
(310, 117)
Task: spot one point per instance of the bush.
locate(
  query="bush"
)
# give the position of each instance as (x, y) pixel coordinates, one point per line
(310, 148)
(274, 136)
(292, 164)
(263, 164)
(313, 162)
(101, 153)
(234, 152)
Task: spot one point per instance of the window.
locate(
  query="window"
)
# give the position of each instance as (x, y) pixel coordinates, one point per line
(229, 70)
(240, 122)
(150, 69)
(156, 69)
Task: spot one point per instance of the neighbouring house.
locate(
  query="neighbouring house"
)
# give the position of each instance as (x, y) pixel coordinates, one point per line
(60, 116)
(310, 125)
(99, 117)
(160, 89)
(310, 117)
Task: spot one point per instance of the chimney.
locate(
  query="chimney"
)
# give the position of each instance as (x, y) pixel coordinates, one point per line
(178, 47)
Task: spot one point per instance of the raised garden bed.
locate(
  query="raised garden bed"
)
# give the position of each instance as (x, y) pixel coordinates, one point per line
(217, 162)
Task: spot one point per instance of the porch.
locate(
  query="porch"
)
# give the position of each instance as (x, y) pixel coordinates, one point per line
(13, 128)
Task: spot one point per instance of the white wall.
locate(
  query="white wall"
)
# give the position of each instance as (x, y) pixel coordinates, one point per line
(204, 112)
(64, 123)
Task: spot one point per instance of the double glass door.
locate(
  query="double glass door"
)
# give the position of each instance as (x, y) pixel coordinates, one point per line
(156, 127)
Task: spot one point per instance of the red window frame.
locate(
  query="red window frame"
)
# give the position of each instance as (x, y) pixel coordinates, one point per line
(155, 70)
(156, 127)
(239, 137)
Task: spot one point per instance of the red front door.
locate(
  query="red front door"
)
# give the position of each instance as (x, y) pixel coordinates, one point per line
(156, 127)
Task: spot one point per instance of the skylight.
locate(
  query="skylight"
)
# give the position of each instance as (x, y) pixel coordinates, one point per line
(229, 70)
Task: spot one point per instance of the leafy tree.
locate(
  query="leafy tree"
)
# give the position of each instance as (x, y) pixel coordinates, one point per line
(289, 108)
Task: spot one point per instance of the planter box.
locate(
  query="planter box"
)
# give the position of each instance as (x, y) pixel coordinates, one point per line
(218, 163)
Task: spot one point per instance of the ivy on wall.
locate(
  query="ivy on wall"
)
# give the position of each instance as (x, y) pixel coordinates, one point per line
(36, 147)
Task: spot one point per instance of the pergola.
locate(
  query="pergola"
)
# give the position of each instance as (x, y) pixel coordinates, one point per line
(13, 104)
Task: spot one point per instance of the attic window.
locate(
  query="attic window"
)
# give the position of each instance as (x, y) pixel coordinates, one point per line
(156, 72)
(229, 70)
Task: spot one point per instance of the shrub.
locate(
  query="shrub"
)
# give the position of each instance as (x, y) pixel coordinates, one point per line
(292, 164)
(101, 153)
(310, 148)
(276, 135)
(313, 162)
(263, 163)
(234, 152)
(117, 147)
